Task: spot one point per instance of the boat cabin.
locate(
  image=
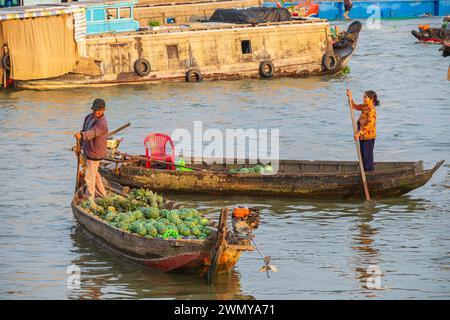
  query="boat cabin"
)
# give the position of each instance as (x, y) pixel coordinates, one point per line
(110, 16)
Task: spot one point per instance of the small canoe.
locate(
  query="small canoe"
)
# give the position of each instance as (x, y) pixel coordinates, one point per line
(189, 256)
(295, 178)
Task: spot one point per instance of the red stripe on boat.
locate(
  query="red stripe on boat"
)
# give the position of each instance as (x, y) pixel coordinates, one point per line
(433, 40)
(172, 263)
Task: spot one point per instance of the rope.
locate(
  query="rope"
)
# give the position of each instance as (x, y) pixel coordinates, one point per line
(266, 261)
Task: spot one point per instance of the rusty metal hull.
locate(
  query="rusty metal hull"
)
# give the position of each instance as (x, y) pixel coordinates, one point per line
(391, 180)
(181, 256)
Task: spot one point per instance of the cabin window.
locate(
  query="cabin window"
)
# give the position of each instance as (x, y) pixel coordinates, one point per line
(111, 13)
(171, 20)
(125, 13)
(172, 51)
(246, 46)
(98, 15)
(88, 15)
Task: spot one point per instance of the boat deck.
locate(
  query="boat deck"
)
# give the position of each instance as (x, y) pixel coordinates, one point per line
(298, 166)
(208, 26)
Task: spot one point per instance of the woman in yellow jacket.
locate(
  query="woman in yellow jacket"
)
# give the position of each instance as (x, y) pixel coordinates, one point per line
(367, 130)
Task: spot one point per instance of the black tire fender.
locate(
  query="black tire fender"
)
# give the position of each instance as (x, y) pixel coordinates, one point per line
(142, 67)
(354, 27)
(329, 61)
(6, 62)
(266, 69)
(193, 75)
(341, 44)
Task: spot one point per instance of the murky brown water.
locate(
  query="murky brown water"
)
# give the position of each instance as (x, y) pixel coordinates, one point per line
(322, 248)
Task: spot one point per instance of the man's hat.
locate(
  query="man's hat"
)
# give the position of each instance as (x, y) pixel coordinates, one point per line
(98, 104)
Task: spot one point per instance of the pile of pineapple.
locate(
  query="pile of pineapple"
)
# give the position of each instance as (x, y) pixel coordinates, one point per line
(143, 213)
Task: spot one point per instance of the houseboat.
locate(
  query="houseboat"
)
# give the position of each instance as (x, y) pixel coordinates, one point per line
(100, 43)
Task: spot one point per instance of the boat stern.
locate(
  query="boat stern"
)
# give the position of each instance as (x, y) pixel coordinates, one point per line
(336, 59)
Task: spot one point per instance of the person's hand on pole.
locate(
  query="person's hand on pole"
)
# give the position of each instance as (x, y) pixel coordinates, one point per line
(357, 135)
(349, 94)
(78, 136)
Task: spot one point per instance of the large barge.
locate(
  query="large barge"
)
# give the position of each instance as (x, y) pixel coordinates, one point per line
(179, 52)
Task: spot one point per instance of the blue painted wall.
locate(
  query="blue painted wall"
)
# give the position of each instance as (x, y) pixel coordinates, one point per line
(444, 8)
(398, 9)
(96, 21)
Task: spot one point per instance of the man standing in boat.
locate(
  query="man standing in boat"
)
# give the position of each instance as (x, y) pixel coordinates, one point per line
(94, 138)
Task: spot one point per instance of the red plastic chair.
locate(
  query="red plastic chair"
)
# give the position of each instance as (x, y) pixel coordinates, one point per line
(156, 143)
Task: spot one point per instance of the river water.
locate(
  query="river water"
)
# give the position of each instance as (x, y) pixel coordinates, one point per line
(323, 249)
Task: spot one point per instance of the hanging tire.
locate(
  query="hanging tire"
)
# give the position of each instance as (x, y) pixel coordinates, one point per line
(266, 69)
(354, 27)
(6, 62)
(329, 61)
(341, 44)
(193, 75)
(142, 67)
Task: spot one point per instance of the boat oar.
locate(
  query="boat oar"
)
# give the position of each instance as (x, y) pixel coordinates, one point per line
(109, 134)
(358, 150)
(119, 129)
(174, 164)
(78, 154)
(158, 161)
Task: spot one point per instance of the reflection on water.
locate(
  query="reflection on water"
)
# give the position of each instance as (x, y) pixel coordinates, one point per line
(322, 248)
(107, 276)
(367, 254)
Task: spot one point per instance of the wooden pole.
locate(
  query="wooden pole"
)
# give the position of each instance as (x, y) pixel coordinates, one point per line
(119, 129)
(78, 154)
(358, 150)
(5, 76)
(154, 160)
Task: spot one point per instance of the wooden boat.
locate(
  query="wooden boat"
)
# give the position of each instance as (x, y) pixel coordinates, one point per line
(432, 35)
(216, 254)
(117, 51)
(295, 178)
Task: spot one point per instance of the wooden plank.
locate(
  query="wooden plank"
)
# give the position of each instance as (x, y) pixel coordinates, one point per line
(218, 245)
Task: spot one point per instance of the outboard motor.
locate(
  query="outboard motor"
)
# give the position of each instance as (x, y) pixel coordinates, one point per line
(245, 220)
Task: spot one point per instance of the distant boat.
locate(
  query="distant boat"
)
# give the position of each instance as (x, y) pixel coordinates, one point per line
(433, 35)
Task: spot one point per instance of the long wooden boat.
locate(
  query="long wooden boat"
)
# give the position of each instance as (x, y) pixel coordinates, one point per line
(173, 255)
(202, 51)
(295, 178)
